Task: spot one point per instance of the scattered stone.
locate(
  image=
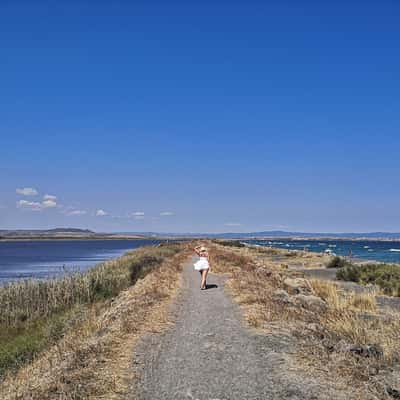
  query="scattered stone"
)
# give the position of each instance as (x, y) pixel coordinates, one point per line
(297, 286)
(369, 350)
(314, 327)
(392, 392)
(311, 302)
(341, 346)
(281, 296)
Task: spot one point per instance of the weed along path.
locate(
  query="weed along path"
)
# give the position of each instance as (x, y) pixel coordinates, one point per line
(210, 353)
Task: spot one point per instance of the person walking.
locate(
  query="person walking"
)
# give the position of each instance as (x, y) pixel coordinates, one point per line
(202, 265)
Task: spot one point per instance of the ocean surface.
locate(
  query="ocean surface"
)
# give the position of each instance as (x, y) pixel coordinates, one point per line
(388, 252)
(48, 258)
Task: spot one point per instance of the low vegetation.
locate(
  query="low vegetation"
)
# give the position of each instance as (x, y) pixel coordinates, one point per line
(386, 276)
(230, 243)
(342, 335)
(337, 262)
(36, 314)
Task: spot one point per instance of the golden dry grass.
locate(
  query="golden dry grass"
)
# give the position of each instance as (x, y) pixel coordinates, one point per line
(28, 300)
(93, 360)
(338, 299)
(352, 318)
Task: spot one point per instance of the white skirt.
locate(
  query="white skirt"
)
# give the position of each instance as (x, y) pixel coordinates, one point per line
(201, 264)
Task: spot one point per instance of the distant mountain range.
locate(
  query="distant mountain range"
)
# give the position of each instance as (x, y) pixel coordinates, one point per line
(45, 232)
(86, 233)
(60, 233)
(277, 234)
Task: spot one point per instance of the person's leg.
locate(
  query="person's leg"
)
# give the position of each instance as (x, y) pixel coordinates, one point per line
(204, 278)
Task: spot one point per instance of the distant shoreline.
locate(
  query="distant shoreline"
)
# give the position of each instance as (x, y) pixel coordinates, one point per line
(55, 237)
(318, 238)
(77, 238)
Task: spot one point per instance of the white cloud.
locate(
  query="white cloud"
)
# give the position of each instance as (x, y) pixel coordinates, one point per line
(29, 205)
(233, 224)
(49, 197)
(49, 204)
(137, 215)
(101, 213)
(75, 212)
(27, 191)
(166, 214)
(36, 205)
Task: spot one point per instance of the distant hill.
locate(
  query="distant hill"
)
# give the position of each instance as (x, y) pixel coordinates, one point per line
(58, 233)
(54, 231)
(61, 233)
(278, 234)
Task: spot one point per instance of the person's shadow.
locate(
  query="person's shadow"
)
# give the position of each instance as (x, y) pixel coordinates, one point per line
(211, 286)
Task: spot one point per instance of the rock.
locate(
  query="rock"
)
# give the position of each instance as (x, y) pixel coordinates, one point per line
(281, 296)
(368, 350)
(341, 346)
(392, 392)
(314, 327)
(311, 302)
(296, 285)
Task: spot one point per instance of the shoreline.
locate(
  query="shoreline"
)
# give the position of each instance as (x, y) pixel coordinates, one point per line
(63, 269)
(82, 238)
(354, 260)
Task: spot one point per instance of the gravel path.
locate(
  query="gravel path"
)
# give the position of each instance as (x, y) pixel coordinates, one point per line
(209, 353)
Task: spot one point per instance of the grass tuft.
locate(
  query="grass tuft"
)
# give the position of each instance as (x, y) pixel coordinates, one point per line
(386, 276)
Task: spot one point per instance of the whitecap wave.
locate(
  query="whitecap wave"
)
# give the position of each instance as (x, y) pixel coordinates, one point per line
(395, 250)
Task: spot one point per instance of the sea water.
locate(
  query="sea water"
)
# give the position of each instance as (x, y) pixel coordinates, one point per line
(48, 258)
(375, 250)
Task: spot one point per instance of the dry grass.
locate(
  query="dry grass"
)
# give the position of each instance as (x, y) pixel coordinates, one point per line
(338, 299)
(28, 300)
(93, 359)
(350, 319)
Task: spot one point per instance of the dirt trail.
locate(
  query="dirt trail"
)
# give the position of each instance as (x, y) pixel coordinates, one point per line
(209, 353)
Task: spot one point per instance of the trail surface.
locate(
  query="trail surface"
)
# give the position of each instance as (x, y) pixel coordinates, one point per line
(209, 353)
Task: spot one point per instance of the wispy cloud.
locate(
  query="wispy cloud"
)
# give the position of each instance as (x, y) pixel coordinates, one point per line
(166, 214)
(233, 224)
(49, 203)
(101, 213)
(49, 197)
(29, 205)
(28, 191)
(74, 212)
(137, 215)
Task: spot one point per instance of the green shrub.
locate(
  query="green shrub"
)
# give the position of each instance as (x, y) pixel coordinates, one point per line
(337, 262)
(19, 345)
(386, 276)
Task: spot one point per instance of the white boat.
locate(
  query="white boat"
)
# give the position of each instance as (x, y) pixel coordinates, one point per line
(330, 252)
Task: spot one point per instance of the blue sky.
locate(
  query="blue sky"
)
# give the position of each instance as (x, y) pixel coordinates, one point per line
(200, 116)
